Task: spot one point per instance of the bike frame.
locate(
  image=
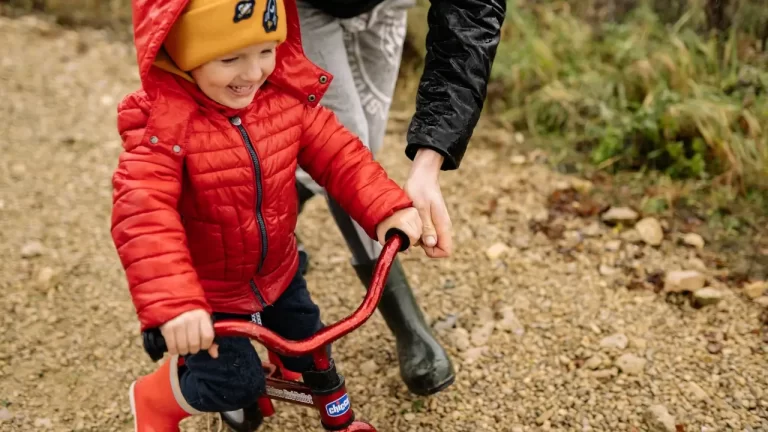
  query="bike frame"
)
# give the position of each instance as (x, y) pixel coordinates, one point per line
(323, 388)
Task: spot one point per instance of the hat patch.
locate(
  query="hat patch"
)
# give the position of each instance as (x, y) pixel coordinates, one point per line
(243, 10)
(270, 16)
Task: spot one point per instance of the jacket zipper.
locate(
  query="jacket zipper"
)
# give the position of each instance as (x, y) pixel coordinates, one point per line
(258, 294)
(238, 123)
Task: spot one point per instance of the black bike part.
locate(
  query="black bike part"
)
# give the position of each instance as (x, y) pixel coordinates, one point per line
(406, 242)
(154, 343)
(323, 382)
(252, 419)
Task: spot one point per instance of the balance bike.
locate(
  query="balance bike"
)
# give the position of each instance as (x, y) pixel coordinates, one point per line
(323, 388)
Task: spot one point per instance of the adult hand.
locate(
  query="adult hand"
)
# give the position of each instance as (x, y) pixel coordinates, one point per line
(423, 188)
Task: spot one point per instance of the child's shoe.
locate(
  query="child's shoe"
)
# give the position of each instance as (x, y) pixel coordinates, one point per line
(156, 401)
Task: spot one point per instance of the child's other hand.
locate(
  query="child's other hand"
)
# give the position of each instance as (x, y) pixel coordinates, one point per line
(406, 220)
(189, 333)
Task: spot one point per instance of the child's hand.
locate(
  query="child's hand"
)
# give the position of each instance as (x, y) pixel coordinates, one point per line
(407, 221)
(189, 333)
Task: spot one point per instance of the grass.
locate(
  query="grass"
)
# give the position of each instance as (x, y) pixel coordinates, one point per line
(638, 94)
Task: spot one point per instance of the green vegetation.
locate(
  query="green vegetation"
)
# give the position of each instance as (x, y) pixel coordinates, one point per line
(638, 93)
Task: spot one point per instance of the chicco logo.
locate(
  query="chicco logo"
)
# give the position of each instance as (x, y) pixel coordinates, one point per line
(338, 407)
(243, 10)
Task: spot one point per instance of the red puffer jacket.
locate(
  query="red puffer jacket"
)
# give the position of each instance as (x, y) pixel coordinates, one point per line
(205, 203)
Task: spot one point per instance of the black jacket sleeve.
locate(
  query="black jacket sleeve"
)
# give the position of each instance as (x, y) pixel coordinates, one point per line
(461, 46)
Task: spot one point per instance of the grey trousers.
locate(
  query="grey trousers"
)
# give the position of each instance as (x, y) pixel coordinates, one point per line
(363, 54)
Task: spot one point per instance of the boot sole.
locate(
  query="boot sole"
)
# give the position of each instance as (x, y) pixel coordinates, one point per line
(434, 390)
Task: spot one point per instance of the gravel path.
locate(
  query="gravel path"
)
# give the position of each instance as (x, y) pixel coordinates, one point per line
(555, 321)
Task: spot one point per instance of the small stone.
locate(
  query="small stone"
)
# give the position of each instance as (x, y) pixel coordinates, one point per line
(613, 245)
(32, 249)
(496, 251)
(684, 280)
(696, 393)
(630, 236)
(607, 270)
(510, 322)
(762, 301)
(409, 417)
(18, 170)
(659, 419)
(461, 339)
(592, 230)
(581, 185)
(631, 364)
(541, 216)
(639, 343)
(518, 160)
(369, 367)
(519, 137)
(473, 354)
(619, 215)
(694, 240)
(706, 296)
(593, 362)
(522, 242)
(43, 422)
(615, 341)
(650, 231)
(714, 347)
(481, 334)
(5, 415)
(543, 418)
(45, 275)
(756, 289)
(697, 264)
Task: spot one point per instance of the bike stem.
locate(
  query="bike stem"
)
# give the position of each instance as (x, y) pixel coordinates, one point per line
(329, 393)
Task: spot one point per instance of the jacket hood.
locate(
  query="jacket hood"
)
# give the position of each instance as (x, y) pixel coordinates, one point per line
(153, 20)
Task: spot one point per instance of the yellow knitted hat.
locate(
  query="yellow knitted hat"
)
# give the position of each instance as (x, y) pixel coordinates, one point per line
(208, 29)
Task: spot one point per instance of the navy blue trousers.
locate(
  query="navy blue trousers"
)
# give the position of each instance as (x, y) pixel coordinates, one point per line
(235, 379)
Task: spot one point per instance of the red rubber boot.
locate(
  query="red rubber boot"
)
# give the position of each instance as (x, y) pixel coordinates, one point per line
(156, 401)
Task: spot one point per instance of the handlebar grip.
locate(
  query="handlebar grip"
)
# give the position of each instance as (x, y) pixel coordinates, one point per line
(154, 343)
(405, 241)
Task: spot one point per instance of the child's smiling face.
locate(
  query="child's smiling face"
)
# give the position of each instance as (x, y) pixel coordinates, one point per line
(233, 80)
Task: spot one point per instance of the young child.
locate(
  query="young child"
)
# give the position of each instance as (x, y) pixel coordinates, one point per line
(205, 201)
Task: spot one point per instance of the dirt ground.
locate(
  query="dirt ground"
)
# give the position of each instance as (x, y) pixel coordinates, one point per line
(552, 318)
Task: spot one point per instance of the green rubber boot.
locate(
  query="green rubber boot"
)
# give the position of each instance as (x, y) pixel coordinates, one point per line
(424, 365)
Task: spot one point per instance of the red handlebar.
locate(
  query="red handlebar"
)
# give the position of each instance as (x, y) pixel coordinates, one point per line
(328, 334)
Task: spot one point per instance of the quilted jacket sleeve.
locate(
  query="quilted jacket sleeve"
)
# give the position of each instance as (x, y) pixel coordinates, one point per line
(339, 162)
(461, 47)
(146, 226)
